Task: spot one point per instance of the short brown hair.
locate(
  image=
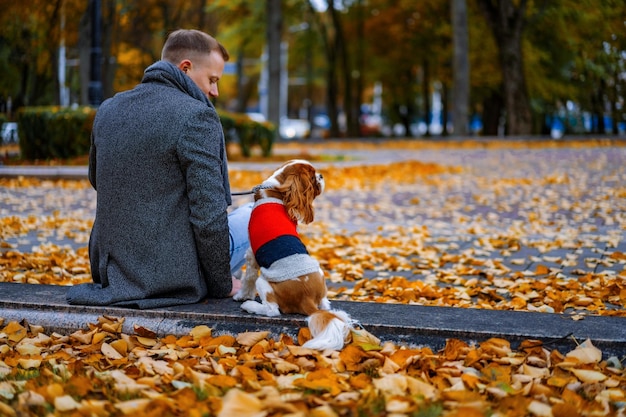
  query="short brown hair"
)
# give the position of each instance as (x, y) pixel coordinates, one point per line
(188, 44)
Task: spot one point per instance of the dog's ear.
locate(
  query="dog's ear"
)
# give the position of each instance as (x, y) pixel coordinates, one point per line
(299, 189)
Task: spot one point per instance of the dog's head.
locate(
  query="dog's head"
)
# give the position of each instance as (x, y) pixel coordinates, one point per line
(296, 183)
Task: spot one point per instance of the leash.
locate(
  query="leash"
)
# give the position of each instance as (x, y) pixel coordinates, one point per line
(253, 190)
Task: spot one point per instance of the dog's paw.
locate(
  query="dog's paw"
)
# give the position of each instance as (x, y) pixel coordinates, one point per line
(253, 307)
(265, 309)
(243, 295)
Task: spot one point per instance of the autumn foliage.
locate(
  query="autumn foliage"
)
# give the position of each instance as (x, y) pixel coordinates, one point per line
(102, 371)
(397, 251)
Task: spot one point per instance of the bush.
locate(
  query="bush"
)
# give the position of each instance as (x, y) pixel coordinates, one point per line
(54, 132)
(63, 132)
(248, 133)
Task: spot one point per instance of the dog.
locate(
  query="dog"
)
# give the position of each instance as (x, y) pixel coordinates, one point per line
(278, 266)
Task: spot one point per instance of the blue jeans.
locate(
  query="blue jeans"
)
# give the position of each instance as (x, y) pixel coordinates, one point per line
(238, 221)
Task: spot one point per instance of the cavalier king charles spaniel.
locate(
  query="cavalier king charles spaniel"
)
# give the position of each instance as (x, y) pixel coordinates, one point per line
(290, 280)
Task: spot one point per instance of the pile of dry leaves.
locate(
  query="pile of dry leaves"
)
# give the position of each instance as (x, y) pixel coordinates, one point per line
(102, 371)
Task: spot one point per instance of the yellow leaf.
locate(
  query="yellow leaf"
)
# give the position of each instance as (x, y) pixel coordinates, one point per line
(399, 406)
(132, 406)
(120, 345)
(589, 376)
(496, 346)
(110, 352)
(15, 331)
(65, 403)
(585, 353)
(199, 332)
(147, 342)
(390, 367)
(323, 411)
(365, 339)
(99, 337)
(539, 409)
(6, 410)
(226, 350)
(29, 363)
(83, 337)
(401, 385)
(535, 372)
(27, 349)
(94, 408)
(241, 404)
(251, 338)
(301, 351)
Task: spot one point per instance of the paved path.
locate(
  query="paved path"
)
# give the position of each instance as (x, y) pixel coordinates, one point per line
(539, 196)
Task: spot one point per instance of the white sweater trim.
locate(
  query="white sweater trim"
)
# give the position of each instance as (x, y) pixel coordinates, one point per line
(291, 267)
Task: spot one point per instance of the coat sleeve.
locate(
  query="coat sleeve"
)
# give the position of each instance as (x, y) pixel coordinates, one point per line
(200, 150)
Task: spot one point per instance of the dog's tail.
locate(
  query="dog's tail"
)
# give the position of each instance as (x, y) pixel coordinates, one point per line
(329, 329)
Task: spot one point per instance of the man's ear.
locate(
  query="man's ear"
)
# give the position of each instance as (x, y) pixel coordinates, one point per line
(184, 65)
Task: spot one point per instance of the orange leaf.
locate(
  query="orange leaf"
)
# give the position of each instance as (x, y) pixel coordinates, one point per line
(351, 356)
(222, 381)
(360, 381)
(454, 349)
(225, 340)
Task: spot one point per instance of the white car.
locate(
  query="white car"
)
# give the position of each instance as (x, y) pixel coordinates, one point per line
(9, 133)
(257, 117)
(294, 129)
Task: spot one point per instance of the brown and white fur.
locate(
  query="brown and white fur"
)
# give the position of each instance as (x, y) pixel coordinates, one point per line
(280, 288)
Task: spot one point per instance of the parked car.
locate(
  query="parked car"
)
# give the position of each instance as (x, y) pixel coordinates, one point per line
(321, 126)
(256, 116)
(294, 129)
(9, 133)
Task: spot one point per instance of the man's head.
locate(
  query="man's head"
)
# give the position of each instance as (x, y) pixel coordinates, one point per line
(198, 55)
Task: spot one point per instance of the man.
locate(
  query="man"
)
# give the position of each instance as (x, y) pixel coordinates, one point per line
(162, 235)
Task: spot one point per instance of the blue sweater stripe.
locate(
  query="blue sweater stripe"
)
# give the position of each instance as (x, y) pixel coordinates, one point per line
(279, 248)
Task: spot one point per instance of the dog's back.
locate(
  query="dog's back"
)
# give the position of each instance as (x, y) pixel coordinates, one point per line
(302, 295)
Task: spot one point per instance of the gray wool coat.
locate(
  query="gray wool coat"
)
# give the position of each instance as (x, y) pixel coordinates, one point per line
(158, 164)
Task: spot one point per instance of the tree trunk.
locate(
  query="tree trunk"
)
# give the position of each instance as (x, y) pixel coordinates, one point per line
(492, 111)
(360, 63)
(274, 31)
(507, 23)
(598, 107)
(343, 55)
(461, 68)
(84, 49)
(444, 109)
(109, 63)
(426, 94)
(614, 97)
(332, 89)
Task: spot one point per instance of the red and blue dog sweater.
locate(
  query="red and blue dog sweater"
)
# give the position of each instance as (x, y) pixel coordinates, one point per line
(275, 242)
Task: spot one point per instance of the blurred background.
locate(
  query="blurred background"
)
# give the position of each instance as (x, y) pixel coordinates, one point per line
(345, 68)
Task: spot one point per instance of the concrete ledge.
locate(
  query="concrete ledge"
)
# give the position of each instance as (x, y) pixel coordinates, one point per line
(44, 172)
(405, 324)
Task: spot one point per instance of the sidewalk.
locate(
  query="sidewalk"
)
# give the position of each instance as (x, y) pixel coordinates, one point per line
(411, 324)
